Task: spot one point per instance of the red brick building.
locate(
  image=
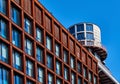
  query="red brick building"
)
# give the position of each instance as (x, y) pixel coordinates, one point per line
(36, 49)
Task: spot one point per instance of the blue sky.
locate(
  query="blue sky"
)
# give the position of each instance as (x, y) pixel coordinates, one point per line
(104, 13)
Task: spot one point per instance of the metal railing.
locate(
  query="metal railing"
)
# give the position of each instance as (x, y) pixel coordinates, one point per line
(106, 71)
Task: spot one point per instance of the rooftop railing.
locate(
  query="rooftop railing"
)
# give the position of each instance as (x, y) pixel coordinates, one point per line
(106, 71)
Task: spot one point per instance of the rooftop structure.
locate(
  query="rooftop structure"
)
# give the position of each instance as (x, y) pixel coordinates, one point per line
(89, 35)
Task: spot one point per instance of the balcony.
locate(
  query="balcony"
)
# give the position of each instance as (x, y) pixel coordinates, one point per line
(105, 75)
(96, 48)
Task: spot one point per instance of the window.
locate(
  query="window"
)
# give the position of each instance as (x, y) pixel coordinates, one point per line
(73, 78)
(49, 62)
(39, 34)
(28, 25)
(50, 79)
(29, 68)
(28, 46)
(4, 75)
(85, 82)
(3, 52)
(48, 43)
(58, 68)
(80, 27)
(85, 72)
(72, 30)
(3, 28)
(89, 36)
(79, 67)
(18, 79)
(3, 8)
(29, 82)
(58, 81)
(72, 62)
(65, 54)
(15, 15)
(66, 73)
(82, 42)
(39, 54)
(90, 76)
(40, 75)
(80, 36)
(79, 80)
(90, 43)
(16, 38)
(89, 27)
(57, 49)
(17, 60)
(95, 80)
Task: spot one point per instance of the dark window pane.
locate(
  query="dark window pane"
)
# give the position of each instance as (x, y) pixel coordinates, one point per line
(58, 81)
(39, 35)
(3, 8)
(72, 62)
(18, 79)
(50, 78)
(90, 76)
(49, 62)
(48, 43)
(85, 72)
(16, 38)
(79, 67)
(73, 78)
(66, 73)
(72, 30)
(29, 68)
(3, 28)
(58, 67)
(3, 52)
(80, 36)
(28, 25)
(29, 82)
(57, 50)
(89, 36)
(85, 82)
(28, 46)
(65, 54)
(80, 27)
(82, 42)
(15, 15)
(79, 80)
(4, 75)
(95, 80)
(39, 54)
(89, 27)
(90, 43)
(40, 75)
(17, 60)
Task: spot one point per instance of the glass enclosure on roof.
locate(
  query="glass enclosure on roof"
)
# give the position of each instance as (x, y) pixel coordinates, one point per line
(89, 27)
(80, 27)
(72, 30)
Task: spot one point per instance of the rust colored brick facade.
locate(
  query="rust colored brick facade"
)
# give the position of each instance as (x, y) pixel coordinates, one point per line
(36, 49)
